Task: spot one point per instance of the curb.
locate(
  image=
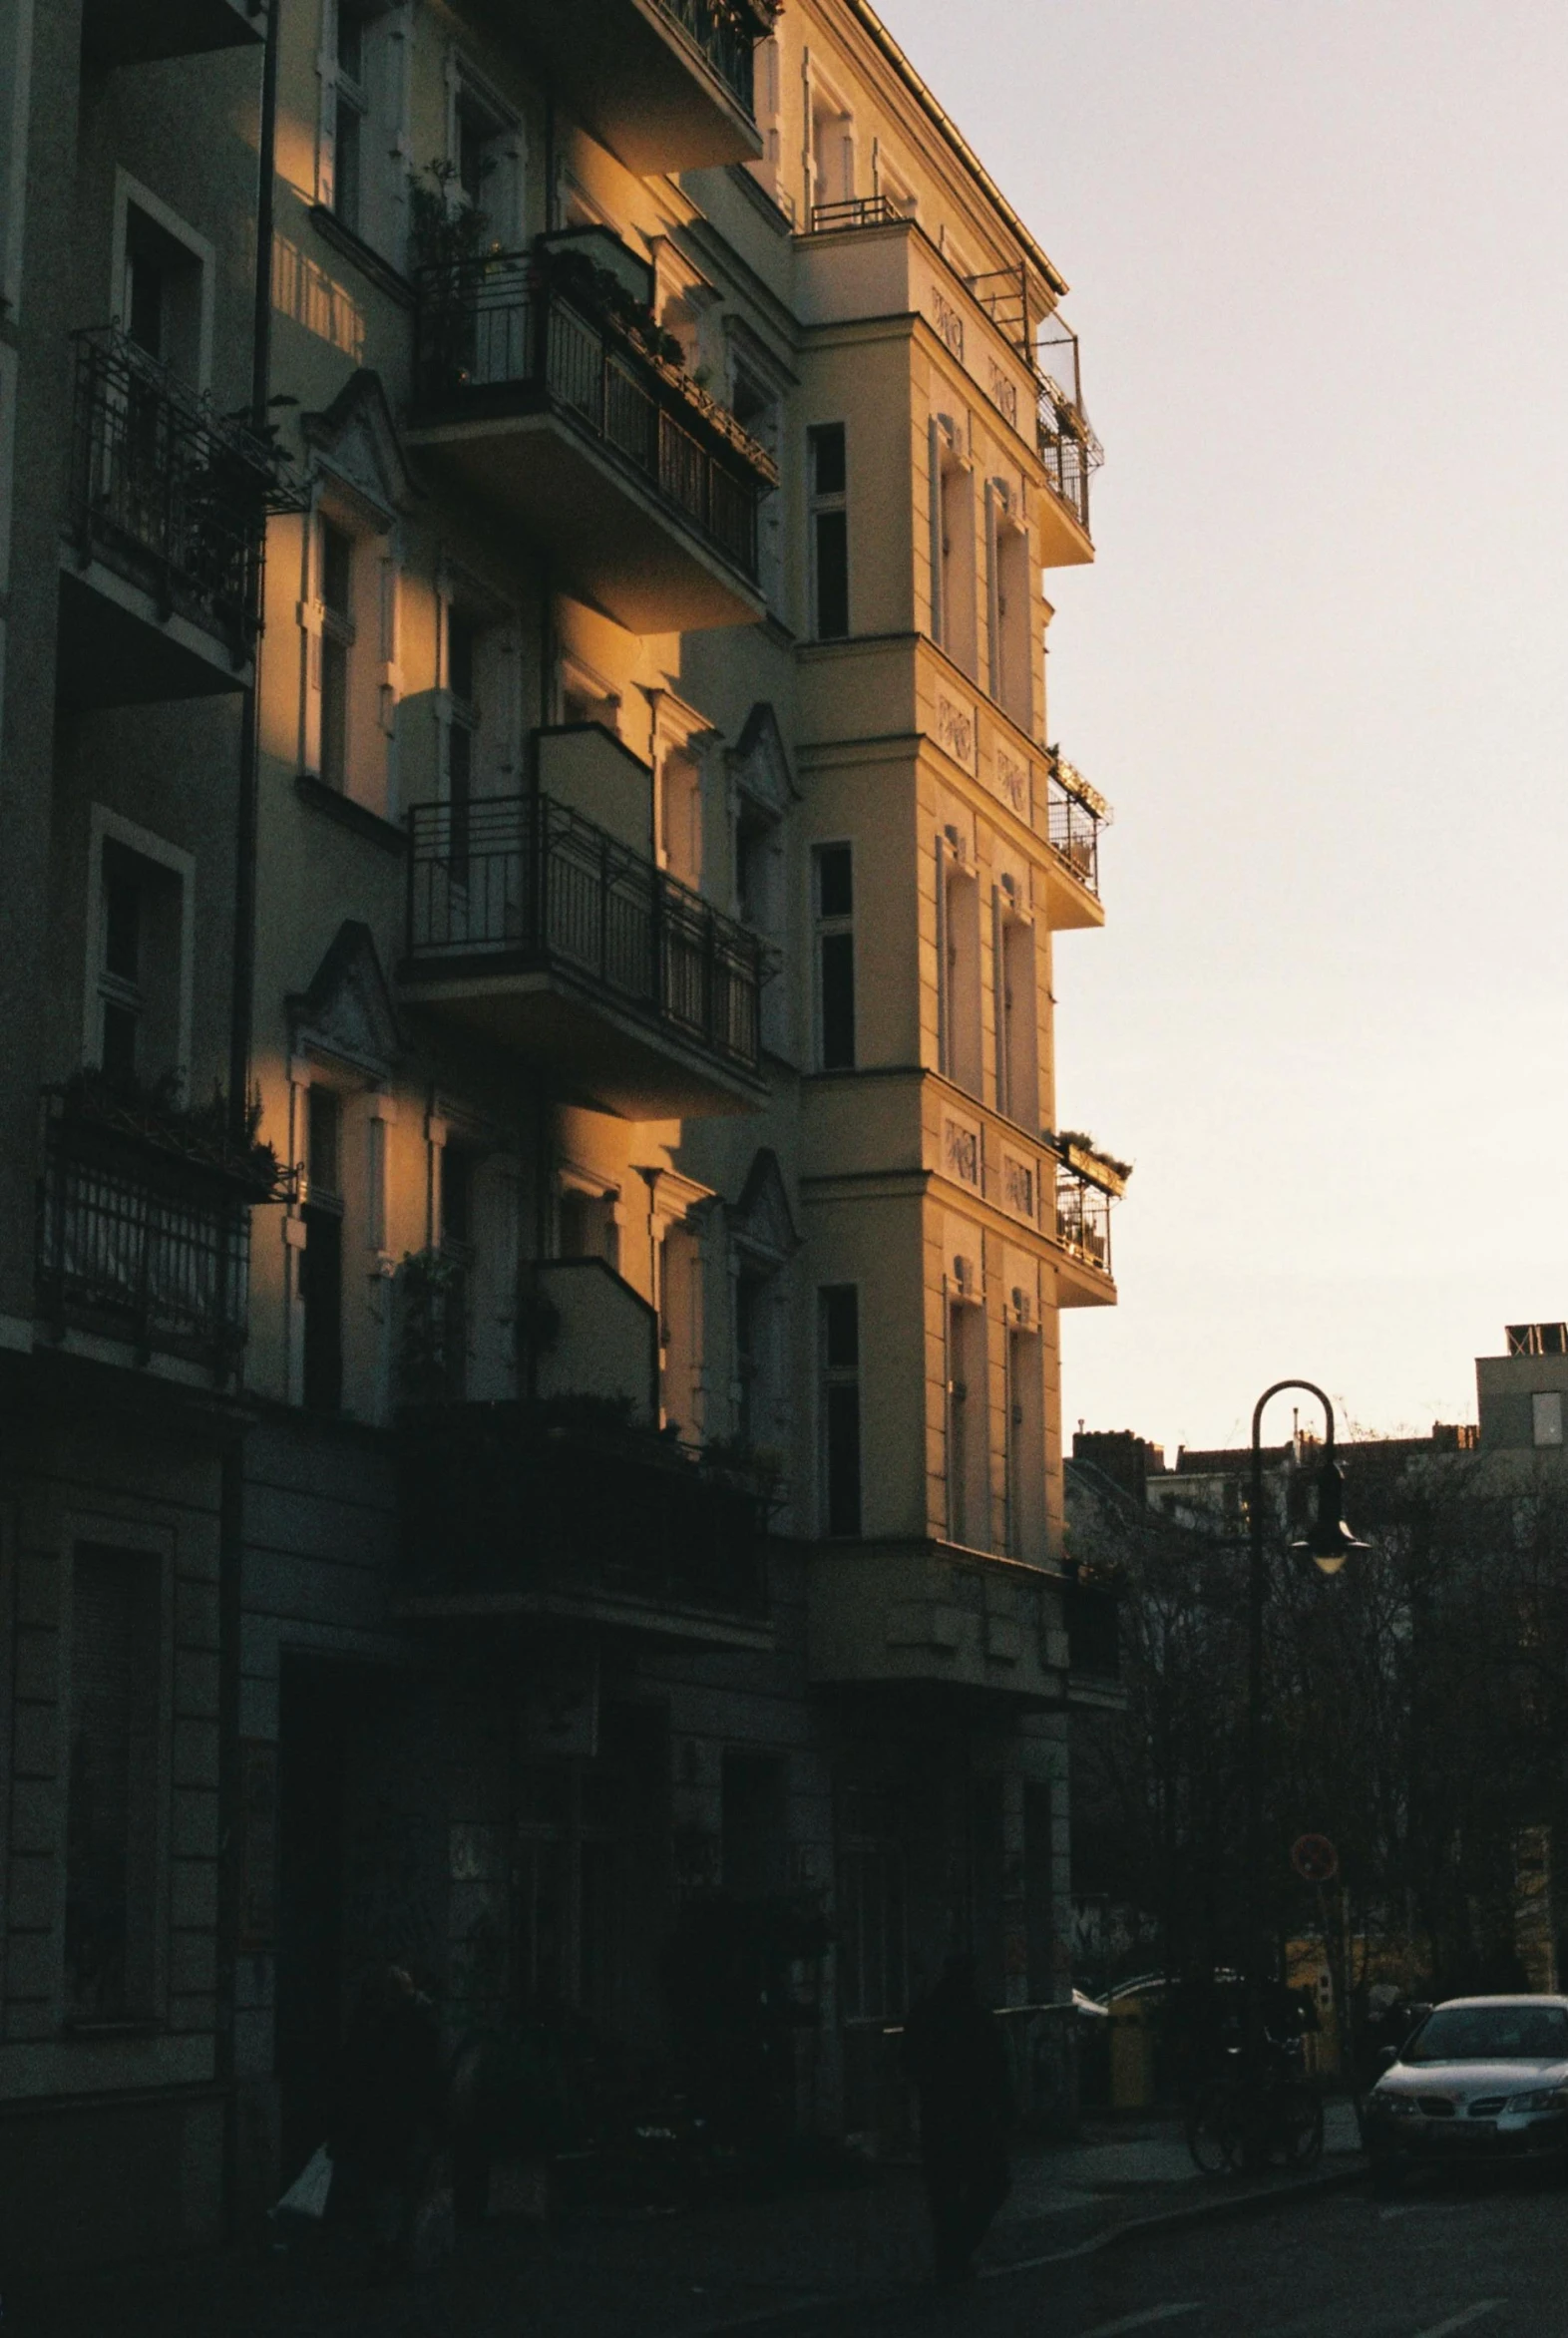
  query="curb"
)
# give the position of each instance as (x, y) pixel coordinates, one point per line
(1219, 2210)
(1213, 2212)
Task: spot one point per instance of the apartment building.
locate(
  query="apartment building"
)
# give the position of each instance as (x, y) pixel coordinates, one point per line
(570, 1484)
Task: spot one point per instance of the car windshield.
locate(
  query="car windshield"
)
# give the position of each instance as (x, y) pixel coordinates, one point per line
(1491, 2033)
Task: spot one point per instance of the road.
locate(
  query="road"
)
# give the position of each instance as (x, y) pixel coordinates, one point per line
(1467, 2253)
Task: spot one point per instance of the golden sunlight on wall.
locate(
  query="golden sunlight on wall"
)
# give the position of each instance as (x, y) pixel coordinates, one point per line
(303, 291)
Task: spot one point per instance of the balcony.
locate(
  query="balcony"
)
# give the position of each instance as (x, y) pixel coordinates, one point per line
(1074, 815)
(931, 1616)
(564, 419)
(866, 258)
(168, 504)
(560, 1509)
(666, 85)
(548, 934)
(137, 32)
(143, 1229)
(1087, 1181)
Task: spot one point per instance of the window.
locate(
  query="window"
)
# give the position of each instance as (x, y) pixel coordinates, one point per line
(321, 1260)
(755, 406)
(959, 940)
(1007, 551)
(1547, 1418)
(486, 151)
(753, 1825)
(353, 104)
(680, 814)
(462, 724)
(832, 150)
(165, 290)
(873, 1948)
(680, 1332)
(953, 596)
(338, 643)
(968, 1438)
(140, 1003)
(835, 906)
(829, 476)
(1017, 1049)
(113, 1794)
(1025, 1446)
(839, 1345)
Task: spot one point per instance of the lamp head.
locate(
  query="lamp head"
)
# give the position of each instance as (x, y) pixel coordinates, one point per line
(1328, 1541)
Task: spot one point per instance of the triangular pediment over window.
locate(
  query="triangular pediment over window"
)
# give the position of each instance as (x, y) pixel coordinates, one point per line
(761, 1220)
(758, 763)
(347, 1016)
(355, 441)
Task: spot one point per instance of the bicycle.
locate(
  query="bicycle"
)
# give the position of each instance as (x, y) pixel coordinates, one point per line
(1238, 2120)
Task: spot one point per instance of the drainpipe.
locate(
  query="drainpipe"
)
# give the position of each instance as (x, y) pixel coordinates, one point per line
(241, 1016)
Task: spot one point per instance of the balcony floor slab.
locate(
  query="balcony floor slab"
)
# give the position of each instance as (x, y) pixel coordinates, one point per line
(614, 544)
(605, 1057)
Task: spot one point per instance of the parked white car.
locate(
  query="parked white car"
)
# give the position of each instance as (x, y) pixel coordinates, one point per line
(1480, 2077)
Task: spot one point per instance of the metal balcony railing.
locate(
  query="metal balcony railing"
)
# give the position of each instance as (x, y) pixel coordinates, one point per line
(861, 211)
(724, 34)
(493, 334)
(165, 491)
(523, 879)
(549, 1497)
(142, 1246)
(1074, 816)
(1067, 444)
(1084, 1220)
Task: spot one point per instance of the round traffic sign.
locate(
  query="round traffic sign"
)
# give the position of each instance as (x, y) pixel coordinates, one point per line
(1315, 1858)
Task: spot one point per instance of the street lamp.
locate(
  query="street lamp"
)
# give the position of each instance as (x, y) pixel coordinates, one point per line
(1328, 1542)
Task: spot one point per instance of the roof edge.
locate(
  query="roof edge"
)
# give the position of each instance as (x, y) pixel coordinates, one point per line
(944, 122)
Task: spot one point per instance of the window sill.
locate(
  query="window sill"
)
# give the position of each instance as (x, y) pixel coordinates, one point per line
(357, 818)
(366, 258)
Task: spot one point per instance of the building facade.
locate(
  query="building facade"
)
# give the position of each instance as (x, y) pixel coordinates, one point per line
(531, 1303)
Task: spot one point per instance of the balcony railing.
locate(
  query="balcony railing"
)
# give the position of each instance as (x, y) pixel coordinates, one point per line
(547, 1498)
(165, 491)
(493, 334)
(1068, 447)
(521, 878)
(724, 34)
(1084, 1220)
(861, 211)
(1075, 814)
(141, 1243)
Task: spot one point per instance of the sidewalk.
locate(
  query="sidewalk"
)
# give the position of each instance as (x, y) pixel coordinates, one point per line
(688, 2275)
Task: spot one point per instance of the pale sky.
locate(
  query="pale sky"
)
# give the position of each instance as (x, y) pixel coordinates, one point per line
(1319, 251)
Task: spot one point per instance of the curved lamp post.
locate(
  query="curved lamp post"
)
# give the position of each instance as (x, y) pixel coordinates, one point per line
(1328, 1542)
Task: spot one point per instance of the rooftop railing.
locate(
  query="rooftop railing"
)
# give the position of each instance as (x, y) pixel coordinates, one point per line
(166, 491)
(493, 332)
(523, 877)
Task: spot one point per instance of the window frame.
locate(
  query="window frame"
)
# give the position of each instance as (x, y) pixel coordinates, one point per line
(131, 194)
(105, 827)
(834, 1378)
(827, 503)
(827, 927)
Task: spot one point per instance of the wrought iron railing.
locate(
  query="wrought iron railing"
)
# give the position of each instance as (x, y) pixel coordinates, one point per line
(139, 1245)
(523, 878)
(861, 211)
(1074, 815)
(510, 1496)
(493, 334)
(719, 32)
(1084, 1220)
(165, 491)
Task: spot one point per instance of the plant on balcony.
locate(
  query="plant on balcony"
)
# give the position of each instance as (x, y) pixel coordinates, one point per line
(757, 1469)
(154, 1114)
(1091, 1158)
(429, 1302)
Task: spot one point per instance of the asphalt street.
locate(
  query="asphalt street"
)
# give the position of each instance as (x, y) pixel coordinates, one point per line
(1458, 2254)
